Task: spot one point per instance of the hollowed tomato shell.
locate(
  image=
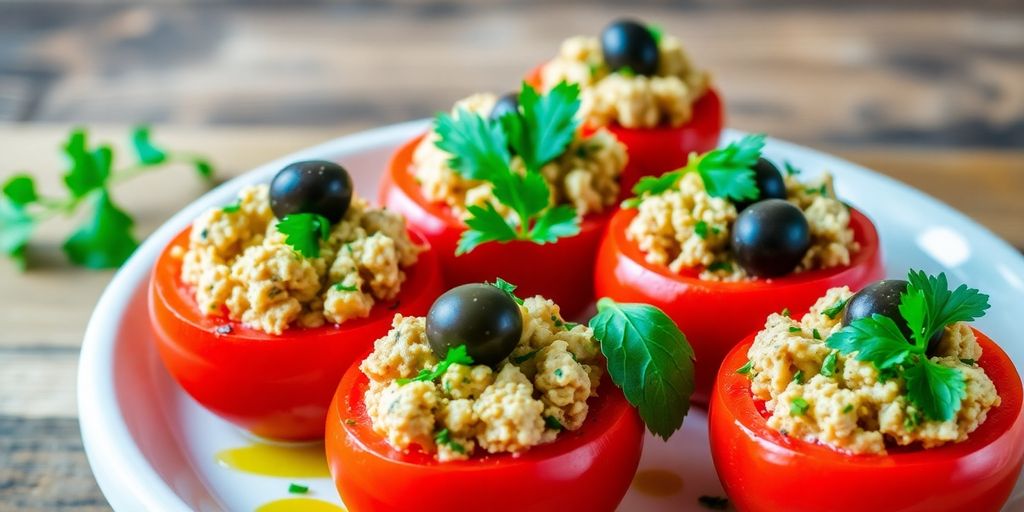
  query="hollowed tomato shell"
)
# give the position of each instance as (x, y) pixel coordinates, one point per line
(653, 151)
(763, 470)
(561, 271)
(589, 469)
(275, 386)
(715, 314)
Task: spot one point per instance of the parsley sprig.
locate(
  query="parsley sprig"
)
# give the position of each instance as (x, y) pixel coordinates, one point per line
(650, 359)
(455, 355)
(304, 231)
(105, 239)
(927, 306)
(726, 172)
(538, 133)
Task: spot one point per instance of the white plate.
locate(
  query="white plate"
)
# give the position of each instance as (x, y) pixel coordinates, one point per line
(153, 448)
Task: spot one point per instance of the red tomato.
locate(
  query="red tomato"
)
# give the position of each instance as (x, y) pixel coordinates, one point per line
(562, 271)
(276, 386)
(715, 314)
(589, 469)
(762, 470)
(653, 151)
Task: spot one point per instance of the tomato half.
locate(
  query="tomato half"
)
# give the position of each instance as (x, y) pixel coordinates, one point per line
(762, 470)
(715, 314)
(653, 151)
(276, 386)
(561, 271)
(589, 469)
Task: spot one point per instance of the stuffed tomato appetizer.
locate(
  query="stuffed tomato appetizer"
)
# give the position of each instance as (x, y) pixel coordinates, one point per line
(496, 395)
(640, 85)
(260, 306)
(724, 241)
(509, 186)
(888, 399)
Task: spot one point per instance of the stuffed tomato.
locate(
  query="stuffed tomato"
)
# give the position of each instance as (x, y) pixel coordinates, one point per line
(718, 264)
(503, 396)
(496, 193)
(258, 317)
(874, 435)
(642, 87)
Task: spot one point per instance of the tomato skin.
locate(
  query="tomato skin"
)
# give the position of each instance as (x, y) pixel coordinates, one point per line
(590, 469)
(561, 271)
(713, 314)
(275, 386)
(654, 151)
(762, 470)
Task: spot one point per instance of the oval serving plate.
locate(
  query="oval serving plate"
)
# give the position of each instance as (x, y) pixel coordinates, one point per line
(153, 448)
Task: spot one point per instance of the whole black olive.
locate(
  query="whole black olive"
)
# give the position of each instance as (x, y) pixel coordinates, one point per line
(507, 104)
(882, 297)
(769, 183)
(627, 43)
(483, 318)
(315, 186)
(770, 238)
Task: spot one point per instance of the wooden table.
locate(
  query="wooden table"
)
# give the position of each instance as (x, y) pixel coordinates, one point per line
(926, 92)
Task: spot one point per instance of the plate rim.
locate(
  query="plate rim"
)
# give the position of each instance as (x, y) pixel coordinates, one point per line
(125, 476)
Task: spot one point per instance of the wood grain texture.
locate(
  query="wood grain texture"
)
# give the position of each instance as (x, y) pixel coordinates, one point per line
(927, 91)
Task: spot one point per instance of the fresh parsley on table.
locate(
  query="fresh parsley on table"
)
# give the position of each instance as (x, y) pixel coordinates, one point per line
(105, 239)
(480, 150)
(928, 306)
(726, 172)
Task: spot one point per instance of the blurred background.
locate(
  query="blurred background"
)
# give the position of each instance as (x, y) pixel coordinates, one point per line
(928, 91)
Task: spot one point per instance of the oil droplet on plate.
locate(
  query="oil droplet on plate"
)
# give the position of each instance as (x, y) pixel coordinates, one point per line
(292, 461)
(299, 505)
(657, 482)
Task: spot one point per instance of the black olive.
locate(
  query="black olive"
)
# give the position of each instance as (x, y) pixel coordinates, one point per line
(315, 186)
(770, 238)
(882, 297)
(483, 318)
(627, 43)
(769, 183)
(506, 104)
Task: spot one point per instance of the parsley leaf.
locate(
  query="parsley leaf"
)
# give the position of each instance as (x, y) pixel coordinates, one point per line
(876, 339)
(304, 231)
(935, 389)
(16, 228)
(659, 378)
(836, 308)
(941, 306)
(146, 152)
(552, 423)
(297, 489)
(745, 369)
(549, 123)
(728, 172)
(106, 240)
(701, 229)
(485, 225)
(656, 32)
(342, 287)
(828, 366)
(555, 223)
(455, 355)
(508, 288)
(444, 437)
(89, 169)
(21, 190)
(798, 406)
(791, 170)
(479, 147)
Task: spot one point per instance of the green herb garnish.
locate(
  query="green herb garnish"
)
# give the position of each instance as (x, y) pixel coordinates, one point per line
(798, 377)
(816, 334)
(539, 133)
(342, 287)
(726, 172)
(455, 355)
(626, 71)
(928, 306)
(828, 366)
(656, 32)
(304, 231)
(794, 329)
(798, 406)
(105, 239)
(508, 288)
(444, 438)
(297, 489)
(659, 378)
(745, 369)
(552, 423)
(835, 309)
(791, 170)
(233, 207)
(848, 408)
(785, 312)
(717, 266)
(701, 229)
(525, 357)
